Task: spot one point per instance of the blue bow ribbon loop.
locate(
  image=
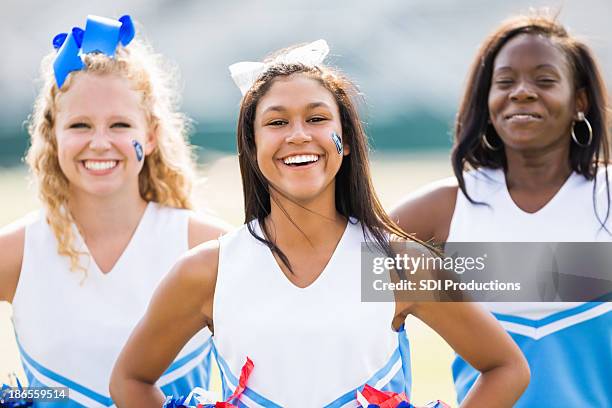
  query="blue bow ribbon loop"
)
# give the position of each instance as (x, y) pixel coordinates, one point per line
(127, 30)
(101, 34)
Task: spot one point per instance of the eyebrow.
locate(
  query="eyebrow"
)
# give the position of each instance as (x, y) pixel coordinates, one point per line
(87, 118)
(547, 66)
(540, 66)
(280, 108)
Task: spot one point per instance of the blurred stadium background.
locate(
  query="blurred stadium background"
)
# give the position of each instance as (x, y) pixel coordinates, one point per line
(409, 58)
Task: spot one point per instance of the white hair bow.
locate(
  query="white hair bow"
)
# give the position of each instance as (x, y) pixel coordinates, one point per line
(246, 73)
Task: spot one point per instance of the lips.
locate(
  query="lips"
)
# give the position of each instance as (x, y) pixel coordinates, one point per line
(100, 167)
(99, 164)
(523, 116)
(301, 159)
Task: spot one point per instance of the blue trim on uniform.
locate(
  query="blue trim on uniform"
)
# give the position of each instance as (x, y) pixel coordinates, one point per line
(225, 371)
(350, 395)
(101, 399)
(401, 382)
(187, 358)
(182, 385)
(536, 323)
(198, 376)
(404, 346)
(67, 403)
(224, 387)
(569, 367)
(259, 399)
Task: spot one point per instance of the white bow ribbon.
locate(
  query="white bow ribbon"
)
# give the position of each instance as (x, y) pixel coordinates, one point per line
(246, 73)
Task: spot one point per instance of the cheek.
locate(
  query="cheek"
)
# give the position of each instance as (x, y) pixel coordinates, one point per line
(332, 141)
(69, 145)
(266, 145)
(562, 104)
(128, 148)
(494, 102)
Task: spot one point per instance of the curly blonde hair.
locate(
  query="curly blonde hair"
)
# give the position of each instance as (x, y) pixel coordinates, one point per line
(167, 173)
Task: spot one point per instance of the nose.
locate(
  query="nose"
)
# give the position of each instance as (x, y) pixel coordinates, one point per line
(298, 134)
(523, 92)
(100, 140)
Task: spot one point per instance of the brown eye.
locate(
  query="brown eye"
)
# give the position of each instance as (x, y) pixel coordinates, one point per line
(276, 123)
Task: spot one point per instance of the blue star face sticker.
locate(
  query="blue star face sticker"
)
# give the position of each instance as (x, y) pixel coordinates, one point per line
(138, 150)
(338, 142)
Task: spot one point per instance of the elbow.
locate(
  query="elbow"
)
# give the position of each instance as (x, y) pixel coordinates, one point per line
(117, 385)
(517, 373)
(114, 386)
(128, 390)
(523, 373)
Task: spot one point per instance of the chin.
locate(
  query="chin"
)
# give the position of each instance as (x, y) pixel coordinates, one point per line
(100, 191)
(302, 195)
(522, 141)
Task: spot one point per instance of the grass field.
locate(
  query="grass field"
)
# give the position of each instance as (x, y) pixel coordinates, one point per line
(221, 193)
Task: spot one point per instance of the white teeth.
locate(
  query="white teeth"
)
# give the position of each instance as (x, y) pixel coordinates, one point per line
(302, 158)
(523, 115)
(100, 165)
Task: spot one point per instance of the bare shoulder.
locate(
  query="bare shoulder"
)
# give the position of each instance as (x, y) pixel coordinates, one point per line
(412, 259)
(195, 272)
(438, 196)
(12, 241)
(205, 227)
(427, 212)
(197, 268)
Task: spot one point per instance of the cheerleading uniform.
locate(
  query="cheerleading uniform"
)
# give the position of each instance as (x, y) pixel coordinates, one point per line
(70, 326)
(311, 347)
(568, 345)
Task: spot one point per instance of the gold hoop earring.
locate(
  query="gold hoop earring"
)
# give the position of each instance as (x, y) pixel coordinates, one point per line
(582, 118)
(487, 145)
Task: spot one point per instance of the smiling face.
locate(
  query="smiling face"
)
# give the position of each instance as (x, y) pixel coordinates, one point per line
(99, 119)
(294, 125)
(532, 100)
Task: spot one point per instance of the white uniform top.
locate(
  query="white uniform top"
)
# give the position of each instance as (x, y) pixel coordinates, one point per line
(70, 327)
(311, 347)
(560, 339)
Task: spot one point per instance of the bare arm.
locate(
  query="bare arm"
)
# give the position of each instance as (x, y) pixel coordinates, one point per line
(427, 212)
(204, 227)
(474, 334)
(12, 239)
(180, 307)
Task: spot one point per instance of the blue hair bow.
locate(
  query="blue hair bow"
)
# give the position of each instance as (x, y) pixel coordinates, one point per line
(101, 34)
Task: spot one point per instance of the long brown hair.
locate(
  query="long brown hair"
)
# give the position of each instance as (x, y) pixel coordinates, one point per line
(473, 116)
(355, 195)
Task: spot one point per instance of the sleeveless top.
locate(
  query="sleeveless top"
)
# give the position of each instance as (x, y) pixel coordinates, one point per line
(568, 344)
(70, 327)
(311, 347)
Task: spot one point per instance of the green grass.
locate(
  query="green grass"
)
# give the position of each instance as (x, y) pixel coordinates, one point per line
(220, 192)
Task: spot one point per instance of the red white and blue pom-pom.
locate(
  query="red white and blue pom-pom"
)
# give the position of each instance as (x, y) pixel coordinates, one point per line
(370, 397)
(6, 400)
(209, 399)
